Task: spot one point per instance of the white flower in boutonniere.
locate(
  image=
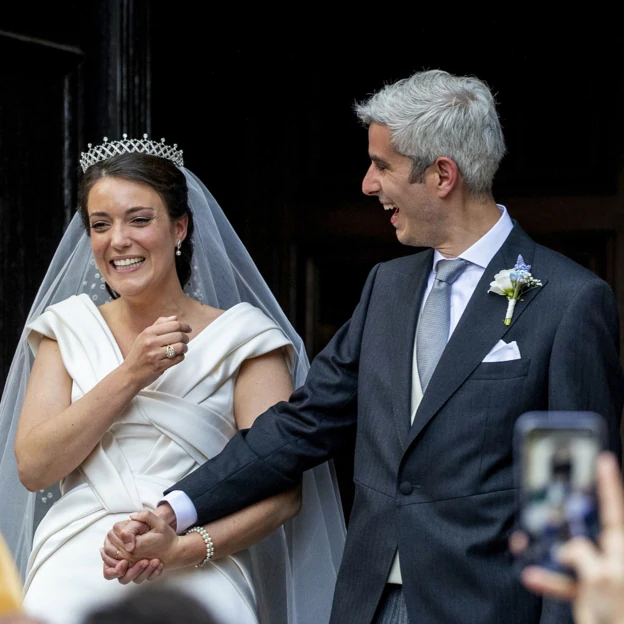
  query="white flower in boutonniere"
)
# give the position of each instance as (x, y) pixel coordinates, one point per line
(513, 283)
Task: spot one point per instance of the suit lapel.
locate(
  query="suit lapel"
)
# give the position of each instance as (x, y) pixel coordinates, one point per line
(407, 289)
(479, 329)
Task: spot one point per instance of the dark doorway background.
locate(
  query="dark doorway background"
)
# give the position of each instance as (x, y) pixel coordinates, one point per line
(262, 105)
(266, 119)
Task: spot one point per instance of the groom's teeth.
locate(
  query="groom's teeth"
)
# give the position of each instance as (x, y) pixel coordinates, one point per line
(389, 207)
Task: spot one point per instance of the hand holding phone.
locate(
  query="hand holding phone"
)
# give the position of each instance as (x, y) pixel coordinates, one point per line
(555, 455)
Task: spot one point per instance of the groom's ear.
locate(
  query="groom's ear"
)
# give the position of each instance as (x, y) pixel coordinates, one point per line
(446, 175)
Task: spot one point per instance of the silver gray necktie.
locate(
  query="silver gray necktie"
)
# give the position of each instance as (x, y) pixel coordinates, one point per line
(435, 319)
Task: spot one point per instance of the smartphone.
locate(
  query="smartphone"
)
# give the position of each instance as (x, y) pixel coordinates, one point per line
(555, 455)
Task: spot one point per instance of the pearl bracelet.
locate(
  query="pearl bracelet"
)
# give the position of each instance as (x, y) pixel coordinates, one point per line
(207, 540)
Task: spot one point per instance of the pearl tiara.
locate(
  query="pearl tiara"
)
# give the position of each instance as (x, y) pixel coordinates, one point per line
(127, 146)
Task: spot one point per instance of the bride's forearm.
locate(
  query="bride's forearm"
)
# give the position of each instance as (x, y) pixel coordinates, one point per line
(248, 526)
(237, 531)
(49, 446)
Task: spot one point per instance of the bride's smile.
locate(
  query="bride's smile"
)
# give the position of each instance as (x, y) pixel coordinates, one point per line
(127, 264)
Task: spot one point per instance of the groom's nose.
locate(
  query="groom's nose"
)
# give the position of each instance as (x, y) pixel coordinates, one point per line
(370, 183)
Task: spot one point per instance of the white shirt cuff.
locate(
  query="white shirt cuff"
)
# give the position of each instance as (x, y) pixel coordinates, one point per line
(183, 508)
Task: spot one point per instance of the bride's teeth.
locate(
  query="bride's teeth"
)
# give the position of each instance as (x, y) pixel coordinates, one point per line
(128, 262)
(389, 206)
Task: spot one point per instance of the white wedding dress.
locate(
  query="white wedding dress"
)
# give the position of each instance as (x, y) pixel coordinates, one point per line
(175, 424)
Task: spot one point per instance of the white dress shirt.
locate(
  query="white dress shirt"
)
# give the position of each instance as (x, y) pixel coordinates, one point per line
(479, 256)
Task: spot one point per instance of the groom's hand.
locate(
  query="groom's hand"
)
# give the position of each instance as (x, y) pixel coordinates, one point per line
(122, 539)
(127, 531)
(118, 562)
(121, 565)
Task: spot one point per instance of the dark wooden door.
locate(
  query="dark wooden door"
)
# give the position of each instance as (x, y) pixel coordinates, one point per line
(70, 73)
(39, 117)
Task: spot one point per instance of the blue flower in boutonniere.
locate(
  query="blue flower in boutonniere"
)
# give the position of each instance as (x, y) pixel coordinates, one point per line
(513, 283)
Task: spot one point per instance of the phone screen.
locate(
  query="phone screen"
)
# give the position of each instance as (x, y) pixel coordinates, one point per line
(558, 493)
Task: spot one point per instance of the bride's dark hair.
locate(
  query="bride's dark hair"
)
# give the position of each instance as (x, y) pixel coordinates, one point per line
(159, 174)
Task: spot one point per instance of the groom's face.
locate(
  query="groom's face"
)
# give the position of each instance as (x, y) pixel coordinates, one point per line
(414, 209)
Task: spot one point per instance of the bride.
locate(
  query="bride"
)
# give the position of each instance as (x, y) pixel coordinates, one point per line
(126, 396)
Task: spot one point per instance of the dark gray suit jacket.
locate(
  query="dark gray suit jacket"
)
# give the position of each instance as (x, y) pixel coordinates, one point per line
(441, 491)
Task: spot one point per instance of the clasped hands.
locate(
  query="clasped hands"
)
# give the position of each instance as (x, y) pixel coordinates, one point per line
(137, 550)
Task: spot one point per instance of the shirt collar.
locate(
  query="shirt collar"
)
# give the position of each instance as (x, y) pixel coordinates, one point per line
(482, 252)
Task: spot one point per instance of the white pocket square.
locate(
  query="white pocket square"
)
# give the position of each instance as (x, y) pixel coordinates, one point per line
(503, 352)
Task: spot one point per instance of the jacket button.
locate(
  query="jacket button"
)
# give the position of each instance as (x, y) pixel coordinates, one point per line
(405, 488)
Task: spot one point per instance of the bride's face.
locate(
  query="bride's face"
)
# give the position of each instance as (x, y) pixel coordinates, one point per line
(132, 237)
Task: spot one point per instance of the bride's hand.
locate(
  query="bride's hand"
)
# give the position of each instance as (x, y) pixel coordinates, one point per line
(148, 358)
(162, 546)
(124, 566)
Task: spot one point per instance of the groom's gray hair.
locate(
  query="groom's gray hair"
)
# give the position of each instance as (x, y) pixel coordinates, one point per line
(432, 114)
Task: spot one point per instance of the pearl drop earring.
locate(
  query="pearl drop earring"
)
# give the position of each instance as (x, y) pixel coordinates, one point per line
(178, 252)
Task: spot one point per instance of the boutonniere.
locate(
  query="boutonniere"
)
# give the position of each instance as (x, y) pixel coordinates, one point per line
(513, 283)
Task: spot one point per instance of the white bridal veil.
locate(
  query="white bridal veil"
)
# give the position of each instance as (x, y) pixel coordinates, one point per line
(295, 568)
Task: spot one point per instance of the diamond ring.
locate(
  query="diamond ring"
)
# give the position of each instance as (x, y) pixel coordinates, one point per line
(170, 352)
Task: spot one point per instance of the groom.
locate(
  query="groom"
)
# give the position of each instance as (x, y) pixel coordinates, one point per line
(432, 377)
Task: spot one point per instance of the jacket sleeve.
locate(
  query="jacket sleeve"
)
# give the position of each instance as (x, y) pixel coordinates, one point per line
(585, 371)
(585, 374)
(290, 437)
